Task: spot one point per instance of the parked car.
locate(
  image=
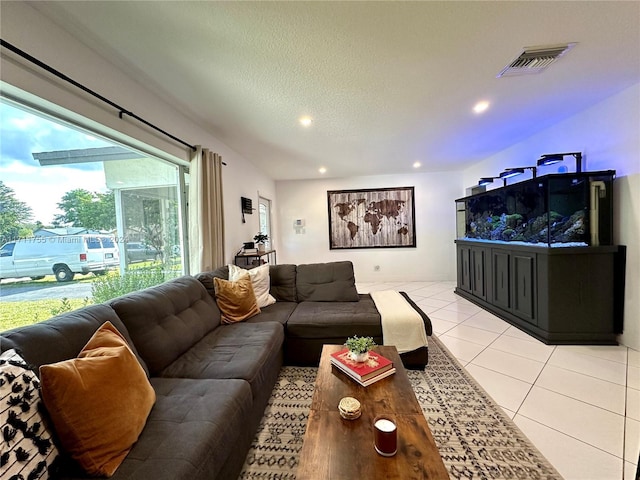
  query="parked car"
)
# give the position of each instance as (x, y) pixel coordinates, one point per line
(60, 255)
(139, 252)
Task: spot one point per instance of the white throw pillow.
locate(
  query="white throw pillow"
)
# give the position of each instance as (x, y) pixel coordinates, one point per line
(260, 281)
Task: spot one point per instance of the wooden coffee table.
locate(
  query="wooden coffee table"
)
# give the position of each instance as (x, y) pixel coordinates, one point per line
(335, 448)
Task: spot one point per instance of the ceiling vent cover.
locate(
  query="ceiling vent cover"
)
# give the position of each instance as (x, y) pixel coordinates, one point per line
(535, 59)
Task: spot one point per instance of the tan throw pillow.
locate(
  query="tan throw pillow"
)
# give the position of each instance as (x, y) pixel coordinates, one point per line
(98, 402)
(236, 300)
(260, 281)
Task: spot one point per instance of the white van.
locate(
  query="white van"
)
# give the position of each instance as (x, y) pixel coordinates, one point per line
(60, 255)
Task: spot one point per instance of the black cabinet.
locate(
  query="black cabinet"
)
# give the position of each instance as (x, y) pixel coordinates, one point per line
(559, 295)
(464, 268)
(480, 272)
(501, 279)
(523, 281)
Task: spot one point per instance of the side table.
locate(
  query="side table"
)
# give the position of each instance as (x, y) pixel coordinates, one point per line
(250, 258)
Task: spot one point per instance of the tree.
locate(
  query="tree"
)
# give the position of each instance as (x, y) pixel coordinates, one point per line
(82, 208)
(14, 214)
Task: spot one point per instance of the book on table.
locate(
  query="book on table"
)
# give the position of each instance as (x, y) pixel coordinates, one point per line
(366, 383)
(375, 366)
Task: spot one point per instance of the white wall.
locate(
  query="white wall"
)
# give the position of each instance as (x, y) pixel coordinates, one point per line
(27, 29)
(608, 134)
(433, 259)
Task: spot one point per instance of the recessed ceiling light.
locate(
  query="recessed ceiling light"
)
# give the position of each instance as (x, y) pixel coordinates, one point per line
(305, 121)
(417, 164)
(322, 170)
(480, 106)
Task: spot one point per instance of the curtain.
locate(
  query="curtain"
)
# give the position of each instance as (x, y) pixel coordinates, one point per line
(206, 220)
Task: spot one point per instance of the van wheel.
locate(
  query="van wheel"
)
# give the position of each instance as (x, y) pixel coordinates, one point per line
(63, 274)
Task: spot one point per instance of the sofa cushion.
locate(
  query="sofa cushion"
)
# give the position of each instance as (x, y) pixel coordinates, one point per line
(166, 320)
(236, 299)
(283, 282)
(26, 446)
(278, 312)
(190, 433)
(98, 402)
(259, 280)
(241, 350)
(69, 332)
(326, 282)
(338, 320)
(206, 278)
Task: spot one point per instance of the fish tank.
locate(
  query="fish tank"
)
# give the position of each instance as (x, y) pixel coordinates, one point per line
(556, 210)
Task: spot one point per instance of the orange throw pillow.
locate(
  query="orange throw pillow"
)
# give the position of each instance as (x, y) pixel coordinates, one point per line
(236, 300)
(98, 402)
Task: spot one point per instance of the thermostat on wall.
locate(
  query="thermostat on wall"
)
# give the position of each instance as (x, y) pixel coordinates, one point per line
(298, 225)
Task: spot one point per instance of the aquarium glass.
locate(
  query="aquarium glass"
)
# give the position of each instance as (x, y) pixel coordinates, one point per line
(556, 210)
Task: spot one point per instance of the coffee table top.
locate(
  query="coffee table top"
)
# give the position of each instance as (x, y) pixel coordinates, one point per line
(336, 448)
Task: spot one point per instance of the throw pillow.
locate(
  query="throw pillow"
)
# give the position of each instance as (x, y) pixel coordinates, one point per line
(260, 281)
(26, 448)
(98, 402)
(236, 300)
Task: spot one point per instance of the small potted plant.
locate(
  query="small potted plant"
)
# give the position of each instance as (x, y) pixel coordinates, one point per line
(260, 238)
(359, 348)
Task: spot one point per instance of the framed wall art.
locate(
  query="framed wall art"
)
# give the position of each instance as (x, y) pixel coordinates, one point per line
(371, 218)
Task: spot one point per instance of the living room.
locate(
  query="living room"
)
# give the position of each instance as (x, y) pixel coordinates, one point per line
(605, 132)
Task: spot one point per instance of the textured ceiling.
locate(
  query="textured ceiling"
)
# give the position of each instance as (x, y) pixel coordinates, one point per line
(386, 83)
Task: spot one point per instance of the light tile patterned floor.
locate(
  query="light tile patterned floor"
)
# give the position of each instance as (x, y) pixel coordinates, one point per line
(580, 405)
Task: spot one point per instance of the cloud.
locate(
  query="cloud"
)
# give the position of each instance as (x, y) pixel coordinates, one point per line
(42, 187)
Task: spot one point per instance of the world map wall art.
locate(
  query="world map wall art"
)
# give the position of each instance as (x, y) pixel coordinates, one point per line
(372, 218)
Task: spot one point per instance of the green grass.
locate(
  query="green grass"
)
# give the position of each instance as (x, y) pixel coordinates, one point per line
(16, 314)
(141, 275)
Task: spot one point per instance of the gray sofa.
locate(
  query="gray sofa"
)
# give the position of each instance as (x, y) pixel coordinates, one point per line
(319, 304)
(212, 381)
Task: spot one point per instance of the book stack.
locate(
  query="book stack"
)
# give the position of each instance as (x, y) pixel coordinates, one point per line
(365, 373)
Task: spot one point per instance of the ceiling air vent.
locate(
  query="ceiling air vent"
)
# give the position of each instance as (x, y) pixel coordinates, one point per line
(535, 59)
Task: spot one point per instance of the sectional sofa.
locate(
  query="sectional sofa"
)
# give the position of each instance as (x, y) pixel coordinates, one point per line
(211, 381)
(319, 304)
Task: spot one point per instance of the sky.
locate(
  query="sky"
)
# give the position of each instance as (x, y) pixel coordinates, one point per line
(21, 134)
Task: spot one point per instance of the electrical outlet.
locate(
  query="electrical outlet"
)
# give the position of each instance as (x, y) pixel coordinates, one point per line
(376, 268)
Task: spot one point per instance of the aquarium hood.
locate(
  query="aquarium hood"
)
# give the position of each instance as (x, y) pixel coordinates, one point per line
(551, 158)
(544, 160)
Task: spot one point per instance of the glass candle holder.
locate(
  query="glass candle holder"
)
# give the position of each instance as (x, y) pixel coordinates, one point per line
(385, 436)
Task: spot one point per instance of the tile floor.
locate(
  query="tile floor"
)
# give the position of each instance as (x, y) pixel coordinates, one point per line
(580, 405)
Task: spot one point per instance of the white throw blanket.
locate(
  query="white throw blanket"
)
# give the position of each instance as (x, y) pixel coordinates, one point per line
(402, 326)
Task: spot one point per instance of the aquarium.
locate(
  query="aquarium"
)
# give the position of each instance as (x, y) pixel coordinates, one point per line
(557, 210)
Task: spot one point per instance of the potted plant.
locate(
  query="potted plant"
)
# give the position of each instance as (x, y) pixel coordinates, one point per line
(260, 238)
(359, 347)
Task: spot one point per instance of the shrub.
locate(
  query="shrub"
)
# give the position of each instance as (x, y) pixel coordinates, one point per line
(114, 285)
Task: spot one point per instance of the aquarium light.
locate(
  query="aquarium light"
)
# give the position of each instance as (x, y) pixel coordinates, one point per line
(512, 172)
(486, 181)
(551, 158)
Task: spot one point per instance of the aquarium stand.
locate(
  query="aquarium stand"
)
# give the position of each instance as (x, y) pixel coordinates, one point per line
(565, 295)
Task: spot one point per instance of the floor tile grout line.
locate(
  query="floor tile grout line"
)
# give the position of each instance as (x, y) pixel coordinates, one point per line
(588, 375)
(598, 357)
(571, 436)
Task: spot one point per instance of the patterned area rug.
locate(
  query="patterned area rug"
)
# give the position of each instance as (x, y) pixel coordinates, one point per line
(475, 438)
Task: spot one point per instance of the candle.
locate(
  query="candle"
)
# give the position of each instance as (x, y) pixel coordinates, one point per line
(385, 436)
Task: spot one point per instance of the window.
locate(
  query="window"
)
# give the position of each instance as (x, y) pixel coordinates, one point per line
(265, 219)
(59, 181)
